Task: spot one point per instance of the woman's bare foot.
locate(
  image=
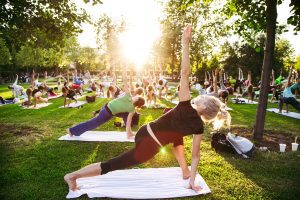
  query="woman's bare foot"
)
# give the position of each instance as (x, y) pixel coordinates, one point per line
(68, 131)
(71, 181)
(130, 136)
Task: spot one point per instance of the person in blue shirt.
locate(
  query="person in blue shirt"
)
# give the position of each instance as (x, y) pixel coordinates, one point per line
(287, 97)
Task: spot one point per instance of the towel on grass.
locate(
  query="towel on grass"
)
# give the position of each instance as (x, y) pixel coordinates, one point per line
(243, 101)
(38, 106)
(99, 136)
(150, 183)
(74, 104)
(289, 114)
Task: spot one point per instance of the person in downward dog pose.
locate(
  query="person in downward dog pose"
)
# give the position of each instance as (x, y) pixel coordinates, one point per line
(170, 128)
(123, 104)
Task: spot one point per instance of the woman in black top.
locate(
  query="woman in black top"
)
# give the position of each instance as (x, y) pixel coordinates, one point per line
(182, 120)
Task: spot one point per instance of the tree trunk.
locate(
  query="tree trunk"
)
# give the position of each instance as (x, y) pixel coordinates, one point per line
(266, 69)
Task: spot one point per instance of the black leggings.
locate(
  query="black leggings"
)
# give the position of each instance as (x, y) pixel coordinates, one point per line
(145, 149)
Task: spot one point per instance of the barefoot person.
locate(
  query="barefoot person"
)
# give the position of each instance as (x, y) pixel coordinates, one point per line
(170, 128)
(122, 104)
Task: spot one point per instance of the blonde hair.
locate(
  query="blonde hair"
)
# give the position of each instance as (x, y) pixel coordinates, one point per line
(212, 110)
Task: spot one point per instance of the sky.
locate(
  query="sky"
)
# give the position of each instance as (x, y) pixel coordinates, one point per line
(143, 25)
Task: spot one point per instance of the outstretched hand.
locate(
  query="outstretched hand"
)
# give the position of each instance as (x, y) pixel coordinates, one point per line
(187, 34)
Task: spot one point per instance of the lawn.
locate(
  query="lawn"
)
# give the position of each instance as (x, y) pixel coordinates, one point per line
(33, 161)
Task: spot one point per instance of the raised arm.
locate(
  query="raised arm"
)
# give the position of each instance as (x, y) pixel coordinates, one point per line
(16, 81)
(125, 82)
(289, 77)
(184, 92)
(273, 77)
(32, 79)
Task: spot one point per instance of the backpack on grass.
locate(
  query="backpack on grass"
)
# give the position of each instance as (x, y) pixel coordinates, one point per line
(90, 99)
(232, 143)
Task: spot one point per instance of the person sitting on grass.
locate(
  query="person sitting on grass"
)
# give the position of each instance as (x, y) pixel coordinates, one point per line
(123, 104)
(181, 121)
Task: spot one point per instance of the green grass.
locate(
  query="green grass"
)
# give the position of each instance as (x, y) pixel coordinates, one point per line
(33, 162)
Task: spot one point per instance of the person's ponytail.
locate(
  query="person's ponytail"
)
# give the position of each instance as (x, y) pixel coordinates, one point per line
(222, 117)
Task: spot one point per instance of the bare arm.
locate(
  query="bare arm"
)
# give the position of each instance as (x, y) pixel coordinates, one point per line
(180, 156)
(128, 124)
(289, 77)
(273, 77)
(184, 92)
(195, 160)
(125, 82)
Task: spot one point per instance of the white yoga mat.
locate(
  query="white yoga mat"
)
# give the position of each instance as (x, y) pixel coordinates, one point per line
(150, 183)
(38, 106)
(99, 136)
(5, 104)
(74, 104)
(245, 101)
(289, 114)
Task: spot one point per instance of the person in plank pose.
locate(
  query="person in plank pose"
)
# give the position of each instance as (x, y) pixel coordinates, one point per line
(180, 121)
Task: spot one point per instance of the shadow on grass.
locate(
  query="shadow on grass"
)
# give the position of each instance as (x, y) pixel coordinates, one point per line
(276, 174)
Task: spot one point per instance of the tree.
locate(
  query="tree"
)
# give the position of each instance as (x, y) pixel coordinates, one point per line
(108, 32)
(260, 16)
(45, 22)
(89, 58)
(4, 53)
(297, 63)
(177, 15)
(283, 56)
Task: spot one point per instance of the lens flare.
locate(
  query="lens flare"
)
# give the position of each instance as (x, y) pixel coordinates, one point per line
(163, 150)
